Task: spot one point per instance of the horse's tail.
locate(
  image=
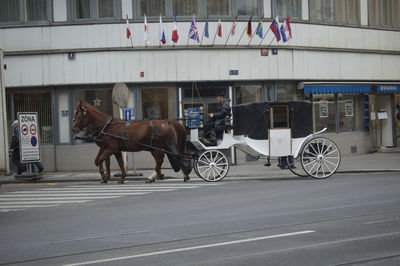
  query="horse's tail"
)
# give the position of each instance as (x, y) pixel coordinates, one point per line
(180, 137)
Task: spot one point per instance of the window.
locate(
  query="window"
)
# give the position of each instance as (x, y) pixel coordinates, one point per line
(335, 11)
(158, 103)
(95, 9)
(324, 112)
(248, 7)
(186, 7)
(218, 8)
(350, 113)
(152, 8)
(287, 92)
(287, 8)
(384, 13)
(248, 94)
(279, 116)
(39, 102)
(27, 11)
(101, 98)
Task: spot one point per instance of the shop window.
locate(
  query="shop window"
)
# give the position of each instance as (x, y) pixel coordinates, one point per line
(158, 103)
(324, 112)
(18, 11)
(287, 92)
(39, 102)
(101, 98)
(95, 9)
(350, 113)
(248, 94)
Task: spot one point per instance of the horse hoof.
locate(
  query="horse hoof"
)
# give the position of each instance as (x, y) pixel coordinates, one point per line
(149, 180)
(186, 178)
(104, 181)
(161, 177)
(121, 182)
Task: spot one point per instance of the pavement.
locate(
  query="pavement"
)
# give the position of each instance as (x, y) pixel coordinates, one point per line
(387, 161)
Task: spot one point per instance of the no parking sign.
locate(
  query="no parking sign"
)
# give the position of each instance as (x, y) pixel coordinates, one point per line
(28, 137)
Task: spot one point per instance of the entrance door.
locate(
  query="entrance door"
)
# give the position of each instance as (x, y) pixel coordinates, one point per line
(385, 125)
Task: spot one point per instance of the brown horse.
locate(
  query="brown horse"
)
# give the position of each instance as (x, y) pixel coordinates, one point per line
(116, 135)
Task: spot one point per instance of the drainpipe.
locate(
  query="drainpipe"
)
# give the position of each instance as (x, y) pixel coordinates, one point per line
(4, 116)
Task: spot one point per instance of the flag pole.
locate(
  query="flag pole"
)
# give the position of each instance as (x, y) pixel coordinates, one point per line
(264, 36)
(130, 36)
(270, 42)
(204, 30)
(230, 31)
(241, 36)
(215, 35)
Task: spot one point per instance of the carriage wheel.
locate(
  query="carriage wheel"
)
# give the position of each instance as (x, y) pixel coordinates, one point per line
(212, 166)
(320, 157)
(294, 165)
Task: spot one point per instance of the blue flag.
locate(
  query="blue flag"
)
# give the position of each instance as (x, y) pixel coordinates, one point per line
(259, 30)
(206, 29)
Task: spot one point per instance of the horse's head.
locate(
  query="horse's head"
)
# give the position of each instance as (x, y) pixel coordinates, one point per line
(80, 119)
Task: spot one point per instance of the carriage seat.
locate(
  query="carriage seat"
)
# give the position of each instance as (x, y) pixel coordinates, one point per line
(219, 131)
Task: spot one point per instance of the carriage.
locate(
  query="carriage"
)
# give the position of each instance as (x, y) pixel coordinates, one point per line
(270, 129)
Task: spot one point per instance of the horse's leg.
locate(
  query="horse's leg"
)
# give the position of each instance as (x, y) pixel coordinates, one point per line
(96, 161)
(104, 155)
(120, 161)
(108, 171)
(159, 158)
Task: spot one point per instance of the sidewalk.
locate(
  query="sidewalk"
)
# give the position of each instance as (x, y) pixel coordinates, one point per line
(372, 162)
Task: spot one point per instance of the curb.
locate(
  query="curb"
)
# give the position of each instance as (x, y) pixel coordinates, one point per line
(246, 177)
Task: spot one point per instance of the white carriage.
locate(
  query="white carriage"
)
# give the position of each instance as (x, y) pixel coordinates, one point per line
(270, 129)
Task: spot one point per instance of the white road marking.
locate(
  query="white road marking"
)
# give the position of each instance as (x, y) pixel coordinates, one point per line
(45, 201)
(29, 206)
(58, 198)
(72, 194)
(162, 252)
(383, 221)
(93, 190)
(132, 186)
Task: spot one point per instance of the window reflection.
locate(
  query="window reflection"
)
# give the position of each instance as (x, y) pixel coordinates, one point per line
(158, 103)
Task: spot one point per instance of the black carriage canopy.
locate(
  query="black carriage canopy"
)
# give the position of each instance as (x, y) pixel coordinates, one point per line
(254, 119)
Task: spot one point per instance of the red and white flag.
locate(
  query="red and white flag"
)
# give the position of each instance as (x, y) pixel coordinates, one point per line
(128, 31)
(219, 28)
(146, 31)
(233, 29)
(175, 36)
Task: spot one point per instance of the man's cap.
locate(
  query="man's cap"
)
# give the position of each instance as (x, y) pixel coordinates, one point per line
(15, 123)
(220, 93)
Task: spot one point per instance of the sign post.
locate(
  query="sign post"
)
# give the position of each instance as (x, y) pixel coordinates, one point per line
(29, 137)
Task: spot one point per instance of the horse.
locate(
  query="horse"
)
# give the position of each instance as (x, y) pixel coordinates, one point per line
(159, 137)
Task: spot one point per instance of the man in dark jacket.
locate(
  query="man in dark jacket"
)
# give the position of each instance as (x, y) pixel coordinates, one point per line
(14, 149)
(217, 121)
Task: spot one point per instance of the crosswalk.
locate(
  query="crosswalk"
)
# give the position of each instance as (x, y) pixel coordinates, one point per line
(56, 196)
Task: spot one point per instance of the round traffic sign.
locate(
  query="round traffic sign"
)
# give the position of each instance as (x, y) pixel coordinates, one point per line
(24, 129)
(32, 129)
(34, 141)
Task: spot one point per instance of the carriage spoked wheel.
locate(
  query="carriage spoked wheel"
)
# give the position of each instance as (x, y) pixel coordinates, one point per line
(212, 166)
(294, 165)
(320, 157)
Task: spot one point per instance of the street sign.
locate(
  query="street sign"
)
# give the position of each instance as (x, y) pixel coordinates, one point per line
(28, 137)
(129, 114)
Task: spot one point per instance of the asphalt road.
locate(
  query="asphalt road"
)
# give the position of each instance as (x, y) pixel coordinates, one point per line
(343, 220)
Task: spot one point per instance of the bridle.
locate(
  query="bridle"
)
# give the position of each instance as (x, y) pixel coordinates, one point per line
(81, 117)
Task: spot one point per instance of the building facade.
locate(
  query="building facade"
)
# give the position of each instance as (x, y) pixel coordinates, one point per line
(344, 56)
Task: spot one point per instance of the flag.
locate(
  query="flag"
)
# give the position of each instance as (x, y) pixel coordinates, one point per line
(286, 30)
(206, 28)
(248, 28)
(193, 32)
(219, 28)
(146, 31)
(175, 35)
(161, 32)
(128, 31)
(259, 30)
(275, 28)
(233, 29)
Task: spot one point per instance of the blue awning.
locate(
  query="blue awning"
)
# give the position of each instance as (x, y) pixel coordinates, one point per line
(388, 89)
(333, 89)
